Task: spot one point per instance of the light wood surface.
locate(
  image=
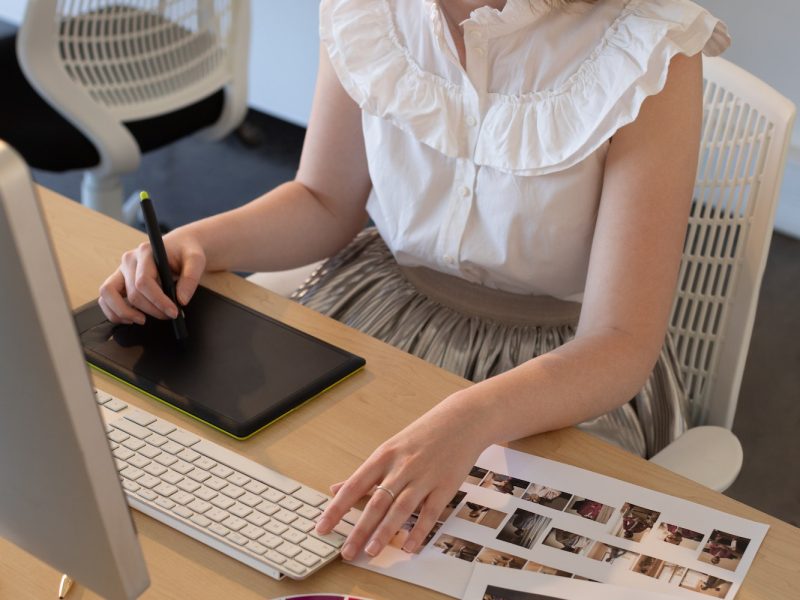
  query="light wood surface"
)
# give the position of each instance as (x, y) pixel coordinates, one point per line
(346, 424)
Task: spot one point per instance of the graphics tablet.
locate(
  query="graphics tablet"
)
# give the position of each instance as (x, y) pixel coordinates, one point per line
(238, 371)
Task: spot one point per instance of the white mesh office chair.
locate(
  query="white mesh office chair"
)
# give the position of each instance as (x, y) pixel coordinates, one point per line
(745, 138)
(746, 131)
(104, 63)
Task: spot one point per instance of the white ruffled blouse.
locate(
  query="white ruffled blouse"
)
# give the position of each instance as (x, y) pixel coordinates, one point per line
(493, 173)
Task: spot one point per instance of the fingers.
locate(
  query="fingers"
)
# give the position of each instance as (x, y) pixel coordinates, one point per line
(194, 263)
(390, 522)
(356, 487)
(336, 487)
(428, 516)
(146, 293)
(374, 513)
(114, 306)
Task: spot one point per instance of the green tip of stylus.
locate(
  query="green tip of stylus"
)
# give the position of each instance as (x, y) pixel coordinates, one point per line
(143, 195)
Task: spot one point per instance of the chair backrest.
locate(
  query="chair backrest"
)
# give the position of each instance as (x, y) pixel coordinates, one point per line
(746, 132)
(102, 62)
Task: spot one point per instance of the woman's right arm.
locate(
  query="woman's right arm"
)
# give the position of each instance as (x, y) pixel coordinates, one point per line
(300, 222)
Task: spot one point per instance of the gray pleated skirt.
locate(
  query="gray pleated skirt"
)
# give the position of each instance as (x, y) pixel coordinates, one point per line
(478, 332)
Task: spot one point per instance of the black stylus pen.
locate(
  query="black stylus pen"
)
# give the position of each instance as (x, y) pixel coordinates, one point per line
(162, 264)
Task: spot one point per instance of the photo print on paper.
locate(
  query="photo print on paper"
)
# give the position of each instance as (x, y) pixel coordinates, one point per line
(448, 510)
(505, 484)
(476, 475)
(546, 496)
(523, 528)
(399, 538)
(635, 522)
(679, 536)
(458, 548)
(619, 557)
(481, 515)
(590, 509)
(545, 570)
(498, 558)
(567, 541)
(708, 585)
(494, 592)
(724, 550)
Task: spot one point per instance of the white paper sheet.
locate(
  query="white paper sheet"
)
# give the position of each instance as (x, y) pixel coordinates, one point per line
(538, 515)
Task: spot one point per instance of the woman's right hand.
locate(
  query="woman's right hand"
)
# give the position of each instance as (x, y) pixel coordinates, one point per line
(133, 290)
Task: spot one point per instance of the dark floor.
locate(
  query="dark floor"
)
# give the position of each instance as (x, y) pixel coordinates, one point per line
(196, 179)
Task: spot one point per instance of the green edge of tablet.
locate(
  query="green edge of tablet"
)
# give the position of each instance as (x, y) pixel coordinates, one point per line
(228, 433)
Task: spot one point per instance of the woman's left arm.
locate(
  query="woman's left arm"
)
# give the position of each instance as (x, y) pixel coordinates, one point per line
(638, 239)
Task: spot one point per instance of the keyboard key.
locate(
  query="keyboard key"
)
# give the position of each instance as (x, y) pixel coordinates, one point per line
(115, 404)
(123, 453)
(134, 444)
(275, 557)
(333, 538)
(240, 510)
(187, 485)
(198, 475)
(161, 427)
(201, 520)
(234, 523)
(162, 457)
(317, 547)
(182, 467)
(250, 499)
(205, 493)
(256, 518)
(290, 503)
(171, 477)
(155, 469)
(205, 463)
(181, 497)
(156, 440)
(272, 495)
(310, 496)
(255, 487)
(268, 508)
(101, 397)
(343, 529)
(129, 485)
(219, 529)
(188, 455)
(352, 516)
(165, 489)
(303, 524)
(255, 547)
(182, 511)
(153, 452)
(270, 540)
(238, 479)
(275, 527)
(148, 481)
(221, 471)
(307, 559)
(308, 512)
(218, 515)
(118, 437)
(147, 494)
(288, 549)
(198, 506)
(248, 468)
(165, 503)
(171, 447)
(131, 473)
(222, 502)
(140, 418)
(293, 536)
(183, 437)
(215, 483)
(284, 516)
(295, 567)
(252, 532)
(232, 490)
(131, 428)
(138, 461)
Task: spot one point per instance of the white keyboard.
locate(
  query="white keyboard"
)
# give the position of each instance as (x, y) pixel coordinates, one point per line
(230, 503)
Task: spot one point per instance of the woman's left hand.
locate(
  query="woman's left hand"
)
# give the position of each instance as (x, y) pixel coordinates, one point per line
(422, 466)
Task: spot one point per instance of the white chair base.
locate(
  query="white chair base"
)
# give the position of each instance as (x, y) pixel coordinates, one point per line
(709, 455)
(103, 194)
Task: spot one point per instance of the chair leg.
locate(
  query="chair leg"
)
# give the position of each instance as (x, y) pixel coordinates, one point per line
(103, 194)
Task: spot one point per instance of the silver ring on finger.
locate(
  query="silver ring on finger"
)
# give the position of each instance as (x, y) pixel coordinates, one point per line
(383, 488)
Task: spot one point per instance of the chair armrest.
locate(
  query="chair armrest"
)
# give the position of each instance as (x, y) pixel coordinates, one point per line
(709, 455)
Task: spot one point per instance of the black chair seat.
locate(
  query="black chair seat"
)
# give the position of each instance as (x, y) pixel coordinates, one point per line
(47, 141)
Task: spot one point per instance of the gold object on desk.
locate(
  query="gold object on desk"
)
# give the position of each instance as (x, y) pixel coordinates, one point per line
(348, 422)
(64, 586)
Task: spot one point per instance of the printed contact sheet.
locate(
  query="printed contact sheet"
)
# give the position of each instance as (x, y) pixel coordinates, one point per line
(518, 512)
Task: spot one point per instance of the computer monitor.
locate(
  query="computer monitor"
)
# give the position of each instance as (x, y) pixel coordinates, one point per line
(61, 500)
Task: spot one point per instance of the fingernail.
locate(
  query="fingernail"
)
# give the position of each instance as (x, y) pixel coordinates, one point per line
(348, 551)
(373, 548)
(323, 526)
(139, 319)
(409, 547)
(172, 312)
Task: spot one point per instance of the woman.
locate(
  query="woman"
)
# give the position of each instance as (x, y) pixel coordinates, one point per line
(518, 157)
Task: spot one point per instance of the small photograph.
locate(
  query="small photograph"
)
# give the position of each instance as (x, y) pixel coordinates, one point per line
(619, 557)
(493, 592)
(402, 534)
(724, 549)
(475, 476)
(490, 556)
(709, 585)
(635, 522)
(590, 509)
(679, 536)
(453, 546)
(567, 541)
(504, 484)
(546, 496)
(647, 565)
(448, 510)
(671, 573)
(523, 528)
(481, 515)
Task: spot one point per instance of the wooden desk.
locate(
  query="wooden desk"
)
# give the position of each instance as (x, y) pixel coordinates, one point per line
(346, 423)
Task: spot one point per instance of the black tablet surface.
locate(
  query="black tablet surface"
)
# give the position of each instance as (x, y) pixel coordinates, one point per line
(238, 371)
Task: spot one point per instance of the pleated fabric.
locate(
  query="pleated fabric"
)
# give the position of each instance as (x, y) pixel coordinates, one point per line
(478, 332)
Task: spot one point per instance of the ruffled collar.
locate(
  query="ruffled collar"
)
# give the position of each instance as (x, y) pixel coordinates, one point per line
(516, 14)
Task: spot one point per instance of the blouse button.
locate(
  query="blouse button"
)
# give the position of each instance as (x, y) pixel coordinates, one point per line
(448, 259)
(464, 191)
(472, 121)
